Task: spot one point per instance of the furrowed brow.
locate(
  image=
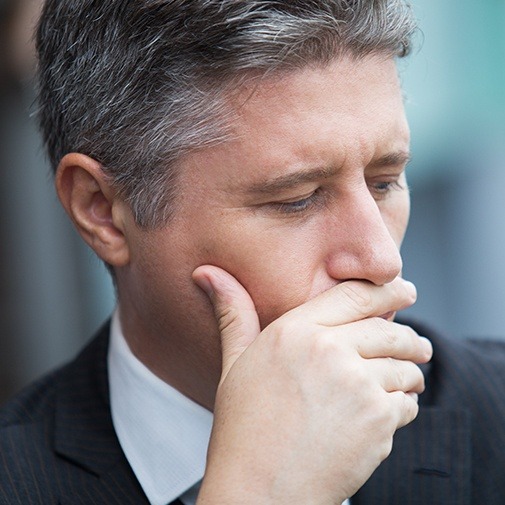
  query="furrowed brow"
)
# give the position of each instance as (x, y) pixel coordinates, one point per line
(285, 182)
(288, 181)
(391, 159)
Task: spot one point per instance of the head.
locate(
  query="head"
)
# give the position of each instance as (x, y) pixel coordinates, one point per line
(266, 137)
(136, 84)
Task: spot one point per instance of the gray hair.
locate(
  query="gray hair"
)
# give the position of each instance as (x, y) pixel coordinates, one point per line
(136, 84)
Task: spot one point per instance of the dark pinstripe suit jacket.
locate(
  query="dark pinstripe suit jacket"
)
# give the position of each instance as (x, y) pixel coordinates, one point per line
(58, 446)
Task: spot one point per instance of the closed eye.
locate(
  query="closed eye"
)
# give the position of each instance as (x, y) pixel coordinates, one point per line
(297, 206)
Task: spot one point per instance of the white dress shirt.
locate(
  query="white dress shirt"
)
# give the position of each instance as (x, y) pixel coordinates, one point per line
(163, 434)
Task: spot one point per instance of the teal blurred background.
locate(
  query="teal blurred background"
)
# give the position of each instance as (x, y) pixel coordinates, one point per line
(455, 92)
(54, 293)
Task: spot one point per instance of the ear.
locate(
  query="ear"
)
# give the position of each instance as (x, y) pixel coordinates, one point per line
(97, 212)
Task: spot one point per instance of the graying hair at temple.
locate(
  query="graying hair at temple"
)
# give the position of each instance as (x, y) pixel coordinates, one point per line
(136, 84)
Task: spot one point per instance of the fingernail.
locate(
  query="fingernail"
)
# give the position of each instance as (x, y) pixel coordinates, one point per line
(427, 345)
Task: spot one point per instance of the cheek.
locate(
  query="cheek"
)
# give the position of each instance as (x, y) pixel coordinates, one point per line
(276, 266)
(160, 272)
(278, 289)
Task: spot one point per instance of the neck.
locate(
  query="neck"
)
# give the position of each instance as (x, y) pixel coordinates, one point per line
(176, 356)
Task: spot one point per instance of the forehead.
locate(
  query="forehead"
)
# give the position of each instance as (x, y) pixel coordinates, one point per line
(350, 111)
(347, 91)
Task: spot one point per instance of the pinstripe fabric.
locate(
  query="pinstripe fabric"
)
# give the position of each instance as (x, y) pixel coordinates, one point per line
(57, 442)
(58, 446)
(454, 452)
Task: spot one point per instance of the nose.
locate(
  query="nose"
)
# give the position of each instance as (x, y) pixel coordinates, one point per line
(362, 246)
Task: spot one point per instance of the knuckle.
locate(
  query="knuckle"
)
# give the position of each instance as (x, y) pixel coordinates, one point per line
(324, 347)
(411, 333)
(285, 331)
(412, 337)
(323, 344)
(387, 332)
(409, 410)
(407, 376)
(400, 374)
(357, 296)
(420, 383)
(285, 328)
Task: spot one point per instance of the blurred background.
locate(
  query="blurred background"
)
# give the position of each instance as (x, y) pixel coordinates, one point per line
(54, 293)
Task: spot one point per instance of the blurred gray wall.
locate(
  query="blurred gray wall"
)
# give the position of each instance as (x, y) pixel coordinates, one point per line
(54, 293)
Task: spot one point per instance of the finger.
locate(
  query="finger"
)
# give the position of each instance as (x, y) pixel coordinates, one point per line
(355, 300)
(405, 405)
(378, 338)
(397, 375)
(234, 311)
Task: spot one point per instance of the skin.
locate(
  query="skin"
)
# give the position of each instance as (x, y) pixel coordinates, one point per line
(313, 119)
(282, 263)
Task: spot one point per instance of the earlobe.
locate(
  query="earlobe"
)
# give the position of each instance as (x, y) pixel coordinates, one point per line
(94, 207)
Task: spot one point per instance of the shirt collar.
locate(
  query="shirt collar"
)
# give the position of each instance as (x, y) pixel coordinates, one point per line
(163, 434)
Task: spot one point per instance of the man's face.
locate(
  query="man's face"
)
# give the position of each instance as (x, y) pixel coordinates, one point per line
(311, 193)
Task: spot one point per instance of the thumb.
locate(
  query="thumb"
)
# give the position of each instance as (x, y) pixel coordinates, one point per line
(234, 310)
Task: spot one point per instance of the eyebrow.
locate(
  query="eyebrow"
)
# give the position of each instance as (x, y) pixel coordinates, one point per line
(287, 181)
(391, 160)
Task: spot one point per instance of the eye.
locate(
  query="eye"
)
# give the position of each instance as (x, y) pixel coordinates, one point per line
(295, 206)
(382, 189)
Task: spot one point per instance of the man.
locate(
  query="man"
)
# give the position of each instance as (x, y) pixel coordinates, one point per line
(240, 167)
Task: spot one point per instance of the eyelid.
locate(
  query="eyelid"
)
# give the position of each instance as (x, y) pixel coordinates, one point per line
(298, 198)
(297, 205)
(391, 185)
(393, 175)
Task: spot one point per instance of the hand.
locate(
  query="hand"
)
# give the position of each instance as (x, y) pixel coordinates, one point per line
(306, 409)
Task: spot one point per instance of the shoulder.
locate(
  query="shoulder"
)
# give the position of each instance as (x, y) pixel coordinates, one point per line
(26, 428)
(32, 404)
(466, 378)
(469, 375)
(28, 461)
(36, 402)
(25, 445)
(467, 367)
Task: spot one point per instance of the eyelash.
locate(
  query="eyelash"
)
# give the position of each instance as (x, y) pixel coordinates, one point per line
(384, 188)
(380, 190)
(298, 206)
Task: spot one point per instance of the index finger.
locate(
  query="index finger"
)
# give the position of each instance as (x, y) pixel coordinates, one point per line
(352, 301)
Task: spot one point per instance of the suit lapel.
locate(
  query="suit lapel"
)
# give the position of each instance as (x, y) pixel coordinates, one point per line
(85, 436)
(429, 464)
